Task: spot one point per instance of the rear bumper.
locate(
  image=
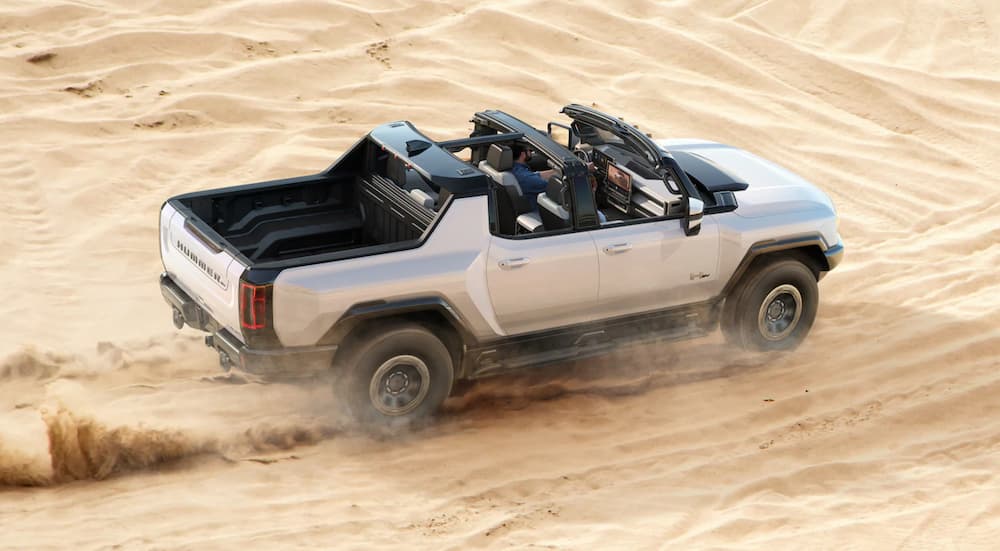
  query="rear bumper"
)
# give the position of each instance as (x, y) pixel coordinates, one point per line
(278, 363)
(273, 363)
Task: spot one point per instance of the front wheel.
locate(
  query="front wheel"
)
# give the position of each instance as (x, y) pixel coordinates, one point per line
(395, 376)
(772, 308)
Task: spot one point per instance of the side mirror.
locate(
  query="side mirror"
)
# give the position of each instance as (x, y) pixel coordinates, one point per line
(692, 222)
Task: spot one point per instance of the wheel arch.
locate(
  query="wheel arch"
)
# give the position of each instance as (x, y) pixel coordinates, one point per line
(808, 249)
(432, 312)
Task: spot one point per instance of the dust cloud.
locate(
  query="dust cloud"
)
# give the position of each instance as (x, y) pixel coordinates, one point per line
(79, 418)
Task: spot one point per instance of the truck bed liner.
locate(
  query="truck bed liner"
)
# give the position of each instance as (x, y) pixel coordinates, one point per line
(310, 216)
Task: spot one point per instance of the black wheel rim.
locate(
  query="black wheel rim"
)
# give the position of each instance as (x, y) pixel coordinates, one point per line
(399, 385)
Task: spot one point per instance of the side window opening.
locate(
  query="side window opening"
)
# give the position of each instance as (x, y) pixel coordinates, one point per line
(517, 198)
(506, 222)
(552, 217)
(624, 200)
(627, 189)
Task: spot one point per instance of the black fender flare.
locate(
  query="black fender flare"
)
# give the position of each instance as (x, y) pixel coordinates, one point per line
(825, 256)
(363, 312)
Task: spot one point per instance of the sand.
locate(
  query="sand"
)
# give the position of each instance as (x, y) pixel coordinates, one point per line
(881, 432)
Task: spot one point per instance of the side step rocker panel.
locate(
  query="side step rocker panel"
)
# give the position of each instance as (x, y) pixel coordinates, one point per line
(589, 340)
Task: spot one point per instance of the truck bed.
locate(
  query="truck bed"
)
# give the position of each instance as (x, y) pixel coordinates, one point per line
(312, 215)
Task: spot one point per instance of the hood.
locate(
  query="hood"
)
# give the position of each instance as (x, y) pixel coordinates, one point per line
(772, 189)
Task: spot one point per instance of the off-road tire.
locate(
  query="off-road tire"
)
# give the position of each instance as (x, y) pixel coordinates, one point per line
(414, 371)
(772, 307)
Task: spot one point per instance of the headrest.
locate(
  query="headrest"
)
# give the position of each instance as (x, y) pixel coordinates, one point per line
(422, 198)
(500, 157)
(556, 190)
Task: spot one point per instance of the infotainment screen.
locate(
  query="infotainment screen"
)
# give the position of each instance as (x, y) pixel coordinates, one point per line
(619, 178)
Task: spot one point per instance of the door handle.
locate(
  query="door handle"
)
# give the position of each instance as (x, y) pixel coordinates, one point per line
(617, 248)
(511, 263)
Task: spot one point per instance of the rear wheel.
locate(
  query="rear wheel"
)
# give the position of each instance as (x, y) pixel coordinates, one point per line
(395, 376)
(773, 307)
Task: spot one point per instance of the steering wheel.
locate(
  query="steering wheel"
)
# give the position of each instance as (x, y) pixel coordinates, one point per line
(587, 159)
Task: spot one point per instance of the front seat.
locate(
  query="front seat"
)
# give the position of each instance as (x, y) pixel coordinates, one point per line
(552, 205)
(511, 202)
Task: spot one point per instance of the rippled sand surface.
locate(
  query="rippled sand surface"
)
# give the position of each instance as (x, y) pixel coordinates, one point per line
(881, 431)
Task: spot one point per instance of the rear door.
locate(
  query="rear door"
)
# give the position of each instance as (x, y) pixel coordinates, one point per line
(205, 271)
(654, 265)
(542, 282)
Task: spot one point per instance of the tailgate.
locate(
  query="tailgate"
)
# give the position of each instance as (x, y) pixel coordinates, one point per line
(203, 269)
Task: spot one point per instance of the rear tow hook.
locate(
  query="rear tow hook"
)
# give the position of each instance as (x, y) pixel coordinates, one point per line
(225, 362)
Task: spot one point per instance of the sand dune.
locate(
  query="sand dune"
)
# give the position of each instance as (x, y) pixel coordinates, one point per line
(882, 431)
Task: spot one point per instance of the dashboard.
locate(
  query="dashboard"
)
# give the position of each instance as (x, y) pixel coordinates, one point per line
(628, 185)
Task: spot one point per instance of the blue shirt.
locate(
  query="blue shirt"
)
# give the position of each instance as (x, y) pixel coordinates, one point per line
(531, 183)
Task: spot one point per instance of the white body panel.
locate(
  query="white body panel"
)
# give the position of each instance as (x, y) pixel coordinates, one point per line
(544, 282)
(778, 204)
(773, 190)
(653, 265)
(308, 300)
(210, 277)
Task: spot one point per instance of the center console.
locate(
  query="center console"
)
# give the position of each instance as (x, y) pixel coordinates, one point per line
(627, 187)
(619, 188)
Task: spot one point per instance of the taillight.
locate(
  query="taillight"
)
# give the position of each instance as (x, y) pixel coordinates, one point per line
(255, 303)
(257, 315)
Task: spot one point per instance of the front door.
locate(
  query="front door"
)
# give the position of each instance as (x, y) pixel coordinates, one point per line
(542, 282)
(653, 266)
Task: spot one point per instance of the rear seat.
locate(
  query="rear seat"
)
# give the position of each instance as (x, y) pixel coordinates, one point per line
(529, 222)
(419, 189)
(423, 198)
(409, 180)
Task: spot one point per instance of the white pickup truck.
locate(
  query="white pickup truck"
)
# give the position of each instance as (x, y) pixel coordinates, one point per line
(410, 264)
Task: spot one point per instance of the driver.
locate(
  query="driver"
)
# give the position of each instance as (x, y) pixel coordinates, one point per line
(532, 183)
